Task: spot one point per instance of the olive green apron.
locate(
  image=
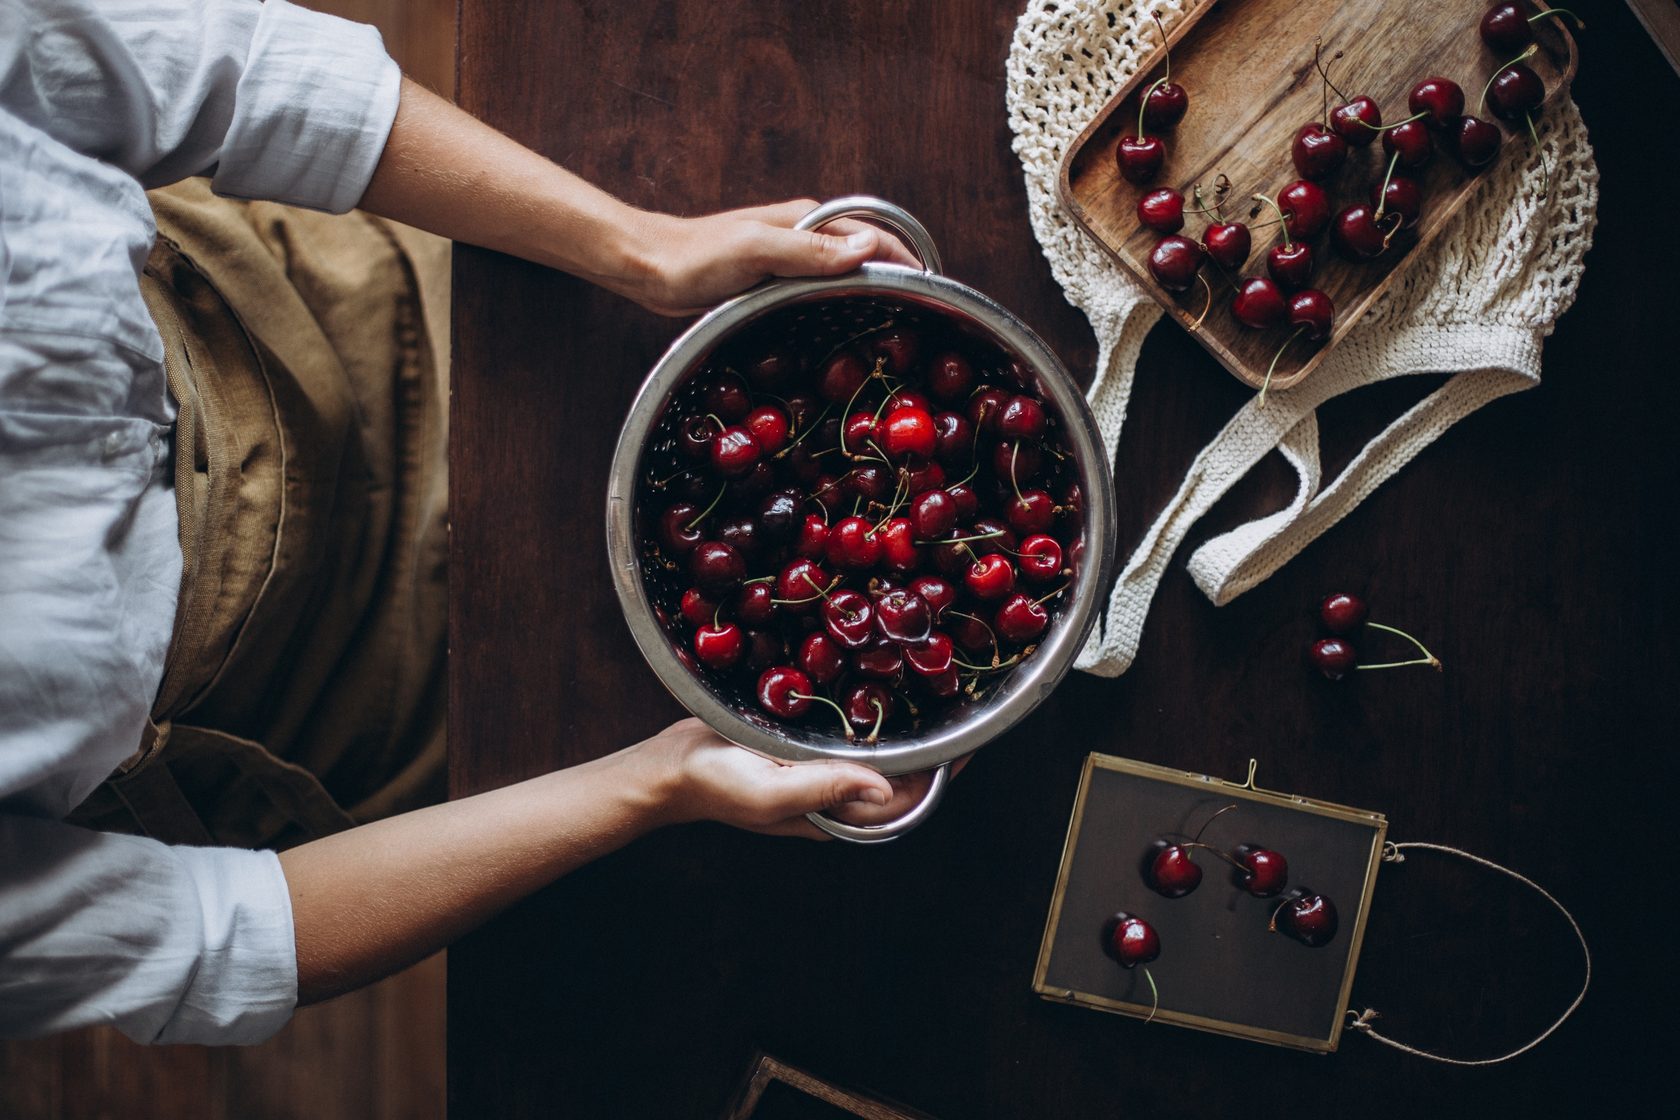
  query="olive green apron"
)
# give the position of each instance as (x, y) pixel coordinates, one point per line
(304, 689)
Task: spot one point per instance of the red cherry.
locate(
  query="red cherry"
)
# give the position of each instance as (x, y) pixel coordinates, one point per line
(1342, 613)
(1022, 418)
(1130, 940)
(1228, 244)
(1032, 512)
(857, 431)
(1016, 463)
(1164, 106)
(1440, 97)
(1357, 234)
(867, 704)
(769, 428)
(1356, 121)
(1402, 196)
(1174, 263)
(675, 533)
(903, 616)
(853, 545)
(953, 439)
(899, 346)
(950, 377)
(1265, 872)
(726, 397)
(1020, 619)
(695, 435)
(820, 656)
(1317, 152)
(696, 608)
(907, 433)
(1162, 210)
(784, 692)
(884, 662)
(1040, 558)
(1140, 158)
(898, 546)
(771, 369)
(936, 591)
(1476, 142)
(800, 585)
(931, 658)
(1258, 304)
(933, 514)
(1515, 93)
(990, 577)
(717, 568)
(1411, 141)
(849, 618)
(813, 538)
(908, 398)
(764, 649)
(1308, 917)
(1306, 209)
(1290, 265)
(755, 603)
(1173, 872)
(872, 481)
(842, 377)
(1332, 657)
(922, 477)
(984, 408)
(1312, 310)
(968, 502)
(734, 452)
(719, 647)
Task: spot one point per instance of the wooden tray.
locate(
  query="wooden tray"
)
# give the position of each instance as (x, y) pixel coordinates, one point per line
(1248, 67)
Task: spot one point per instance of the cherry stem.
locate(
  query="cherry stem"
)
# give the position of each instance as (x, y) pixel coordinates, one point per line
(1267, 384)
(1580, 24)
(1144, 100)
(1528, 52)
(1428, 658)
(1210, 820)
(814, 425)
(1267, 200)
(996, 651)
(701, 516)
(1154, 994)
(999, 667)
(1324, 72)
(821, 594)
(901, 493)
(845, 723)
(717, 616)
(1396, 124)
(1164, 50)
(1382, 195)
(1014, 483)
(1545, 167)
(880, 714)
(1191, 325)
(1052, 595)
(1226, 856)
(965, 540)
(1271, 926)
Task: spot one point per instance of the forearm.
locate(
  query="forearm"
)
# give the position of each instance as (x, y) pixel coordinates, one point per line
(375, 899)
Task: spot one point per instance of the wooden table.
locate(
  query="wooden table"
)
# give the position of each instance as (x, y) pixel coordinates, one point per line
(1526, 545)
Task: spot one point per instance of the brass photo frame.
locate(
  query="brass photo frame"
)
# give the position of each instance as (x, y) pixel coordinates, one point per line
(1220, 969)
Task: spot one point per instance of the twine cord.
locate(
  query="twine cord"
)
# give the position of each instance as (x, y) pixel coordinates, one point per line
(1361, 1020)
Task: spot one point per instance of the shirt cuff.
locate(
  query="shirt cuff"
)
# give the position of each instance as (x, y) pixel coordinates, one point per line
(245, 986)
(312, 111)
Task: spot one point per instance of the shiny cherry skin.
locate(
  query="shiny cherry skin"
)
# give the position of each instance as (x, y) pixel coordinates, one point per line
(1306, 209)
(857, 430)
(953, 439)
(769, 427)
(907, 433)
(784, 692)
(1476, 142)
(990, 577)
(853, 545)
(936, 591)
(1290, 266)
(697, 608)
(849, 618)
(694, 437)
(1162, 210)
(899, 553)
(1164, 106)
(1505, 28)
(1516, 92)
(1129, 940)
(997, 534)
(1357, 235)
(900, 347)
(1312, 309)
(1040, 558)
(1228, 244)
(771, 370)
(1356, 121)
(727, 398)
(1020, 619)
(842, 377)
(812, 542)
(1342, 613)
(970, 632)
(1173, 872)
(903, 616)
(933, 514)
(1411, 140)
(1140, 158)
(1174, 263)
(1441, 98)
(872, 481)
(984, 408)
(820, 657)
(1033, 512)
(1265, 872)
(1334, 658)
(883, 661)
(1022, 418)
(932, 656)
(741, 534)
(1258, 304)
(1317, 152)
(1402, 196)
(779, 516)
(1308, 917)
(719, 647)
(799, 586)
(919, 478)
(716, 567)
(865, 704)
(675, 533)
(755, 603)
(950, 377)
(968, 502)
(1016, 462)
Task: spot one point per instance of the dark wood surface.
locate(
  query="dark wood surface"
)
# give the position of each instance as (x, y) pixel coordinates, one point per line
(1528, 546)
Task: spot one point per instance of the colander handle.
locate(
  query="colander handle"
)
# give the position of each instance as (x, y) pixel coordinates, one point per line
(892, 830)
(880, 210)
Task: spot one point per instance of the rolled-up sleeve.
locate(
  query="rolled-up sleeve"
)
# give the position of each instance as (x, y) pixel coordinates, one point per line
(274, 101)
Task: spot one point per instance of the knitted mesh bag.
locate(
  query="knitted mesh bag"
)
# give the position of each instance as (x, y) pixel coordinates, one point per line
(1476, 303)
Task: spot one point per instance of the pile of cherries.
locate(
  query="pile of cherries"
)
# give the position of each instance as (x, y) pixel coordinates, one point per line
(880, 527)
(1344, 615)
(1359, 231)
(1169, 869)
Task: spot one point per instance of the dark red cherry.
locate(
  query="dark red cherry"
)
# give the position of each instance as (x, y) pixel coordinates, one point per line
(734, 452)
(996, 536)
(1291, 265)
(755, 603)
(764, 649)
(1016, 463)
(953, 439)
(1129, 940)
(739, 533)
(727, 398)
(769, 428)
(842, 377)
(849, 618)
(931, 657)
(1032, 512)
(902, 397)
(1228, 244)
(907, 433)
(984, 408)
(697, 608)
(857, 430)
(898, 546)
(990, 577)
(1440, 97)
(1342, 613)
(719, 647)
(899, 346)
(784, 692)
(779, 516)
(1174, 263)
(1476, 141)
(1411, 141)
(1258, 304)
(903, 616)
(1506, 28)
(1516, 92)
(800, 586)
(883, 662)
(867, 704)
(771, 370)
(971, 632)
(1358, 236)
(1164, 106)
(1173, 872)
(1333, 657)
(919, 478)
(968, 502)
(1265, 872)
(1402, 196)
(936, 591)
(820, 656)
(1020, 619)
(678, 528)
(945, 685)
(1162, 210)
(813, 538)
(1306, 209)
(1317, 152)
(1040, 558)
(950, 377)
(1312, 309)
(1356, 121)
(1308, 917)
(853, 545)
(1140, 158)
(874, 482)
(1022, 418)
(716, 567)
(695, 435)
(933, 514)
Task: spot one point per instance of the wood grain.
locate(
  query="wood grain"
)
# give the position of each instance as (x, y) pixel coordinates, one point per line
(1248, 65)
(1525, 546)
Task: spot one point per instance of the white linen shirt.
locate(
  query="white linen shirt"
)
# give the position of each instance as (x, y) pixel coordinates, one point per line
(100, 99)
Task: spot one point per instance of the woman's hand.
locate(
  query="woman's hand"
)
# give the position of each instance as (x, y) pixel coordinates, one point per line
(685, 265)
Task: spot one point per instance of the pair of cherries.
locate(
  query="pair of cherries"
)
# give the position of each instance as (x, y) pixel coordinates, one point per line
(1139, 156)
(1343, 615)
